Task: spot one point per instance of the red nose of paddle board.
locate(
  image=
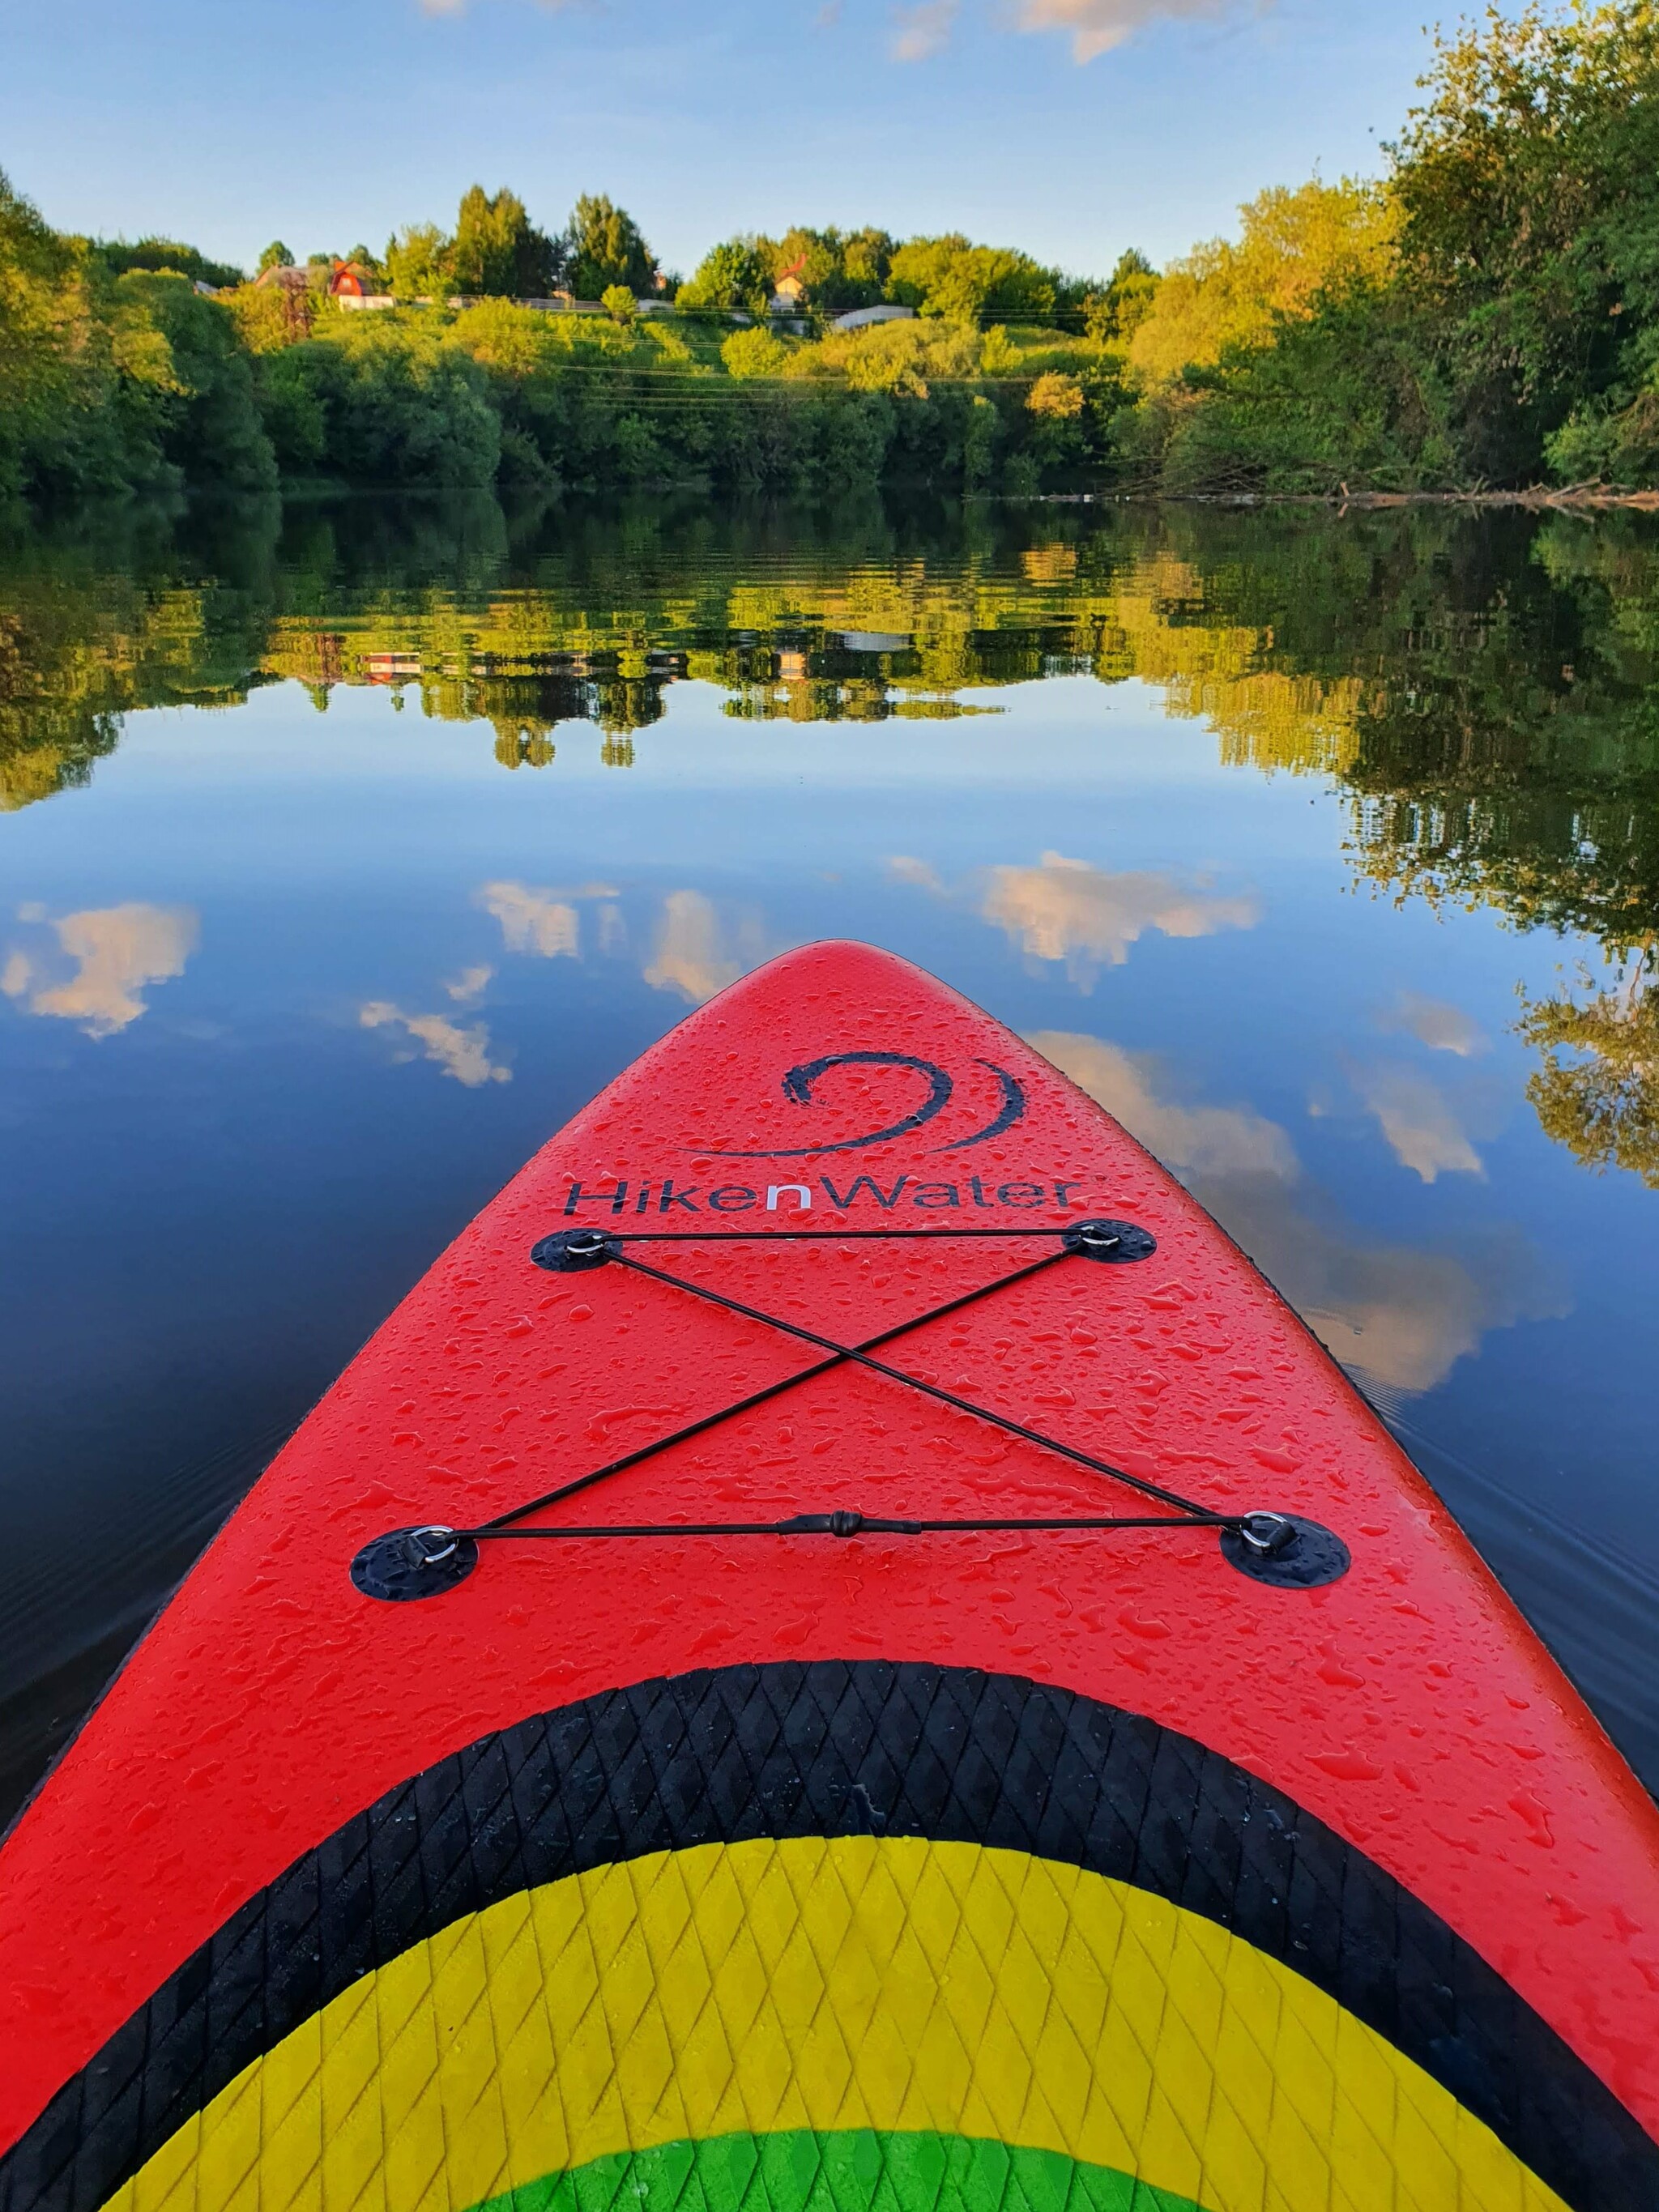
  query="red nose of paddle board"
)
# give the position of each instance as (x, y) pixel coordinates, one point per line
(843, 1646)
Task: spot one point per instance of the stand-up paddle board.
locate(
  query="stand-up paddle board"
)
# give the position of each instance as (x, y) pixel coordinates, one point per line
(841, 1652)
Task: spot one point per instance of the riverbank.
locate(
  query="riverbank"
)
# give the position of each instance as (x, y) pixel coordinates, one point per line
(1536, 499)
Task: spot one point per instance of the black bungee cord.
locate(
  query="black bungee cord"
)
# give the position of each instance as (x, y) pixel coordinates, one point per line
(1271, 1546)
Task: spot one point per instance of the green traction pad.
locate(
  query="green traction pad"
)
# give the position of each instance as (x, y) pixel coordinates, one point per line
(855, 2171)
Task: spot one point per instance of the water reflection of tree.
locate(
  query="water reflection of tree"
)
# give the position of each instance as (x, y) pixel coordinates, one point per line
(1516, 766)
(502, 617)
(115, 617)
(1597, 1091)
(1483, 691)
(49, 736)
(523, 744)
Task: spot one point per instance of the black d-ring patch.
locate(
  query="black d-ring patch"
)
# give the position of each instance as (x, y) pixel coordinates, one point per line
(407, 1563)
(574, 1251)
(1310, 1556)
(1117, 1242)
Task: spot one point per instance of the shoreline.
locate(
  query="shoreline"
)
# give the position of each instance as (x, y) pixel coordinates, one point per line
(1536, 498)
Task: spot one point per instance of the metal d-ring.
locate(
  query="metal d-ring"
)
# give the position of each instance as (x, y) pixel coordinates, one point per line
(1267, 1532)
(1286, 1550)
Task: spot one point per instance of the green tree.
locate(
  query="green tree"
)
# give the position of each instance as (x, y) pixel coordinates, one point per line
(604, 246)
(205, 414)
(497, 252)
(867, 260)
(736, 275)
(168, 253)
(754, 353)
(79, 376)
(951, 277)
(274, 316)
(419, 263)
(1056, 396)
(275, 255)
(1293, 247)
(1529, 185)
(505, 336)
(1114, 315)
(620, 305)
(383, 400)
(1342, 395)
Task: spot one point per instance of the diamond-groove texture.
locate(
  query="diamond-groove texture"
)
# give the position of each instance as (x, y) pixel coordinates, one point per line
(856, 2170)
(826, 1984)
(827, 1749)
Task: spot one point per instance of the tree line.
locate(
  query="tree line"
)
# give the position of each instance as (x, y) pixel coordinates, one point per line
(495, 250)
(124, 368)
(1484, 314)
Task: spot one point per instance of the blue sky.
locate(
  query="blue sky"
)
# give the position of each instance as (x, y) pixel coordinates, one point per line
(1074, 128)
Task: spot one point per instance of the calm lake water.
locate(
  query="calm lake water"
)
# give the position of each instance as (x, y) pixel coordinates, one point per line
(347, 851)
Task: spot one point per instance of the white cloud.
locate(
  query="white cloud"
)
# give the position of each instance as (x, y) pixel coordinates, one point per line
(1095, 26)
(1443, 1028)
(1400, 1316)
(117, 949)
(1417, 1119)
(539, 921)
(460, 7)
(921, 27)
(464, 1054)
(1066, 910)
(920, 30)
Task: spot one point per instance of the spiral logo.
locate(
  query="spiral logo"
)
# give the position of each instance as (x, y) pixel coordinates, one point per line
(799, 1085)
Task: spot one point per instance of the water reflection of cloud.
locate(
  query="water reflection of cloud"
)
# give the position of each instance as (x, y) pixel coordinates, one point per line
(532, 921)
(1065, 909)
(1443, 1028)
(544, 922)
(613, 928)
(1395, 1314)
(903, 869)
(117, 949)
(469, 985)
(698, 952)
(462, 1053)
(696, 949)
(1207, 1140)
(1419, 1121)
(1400, 1317)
